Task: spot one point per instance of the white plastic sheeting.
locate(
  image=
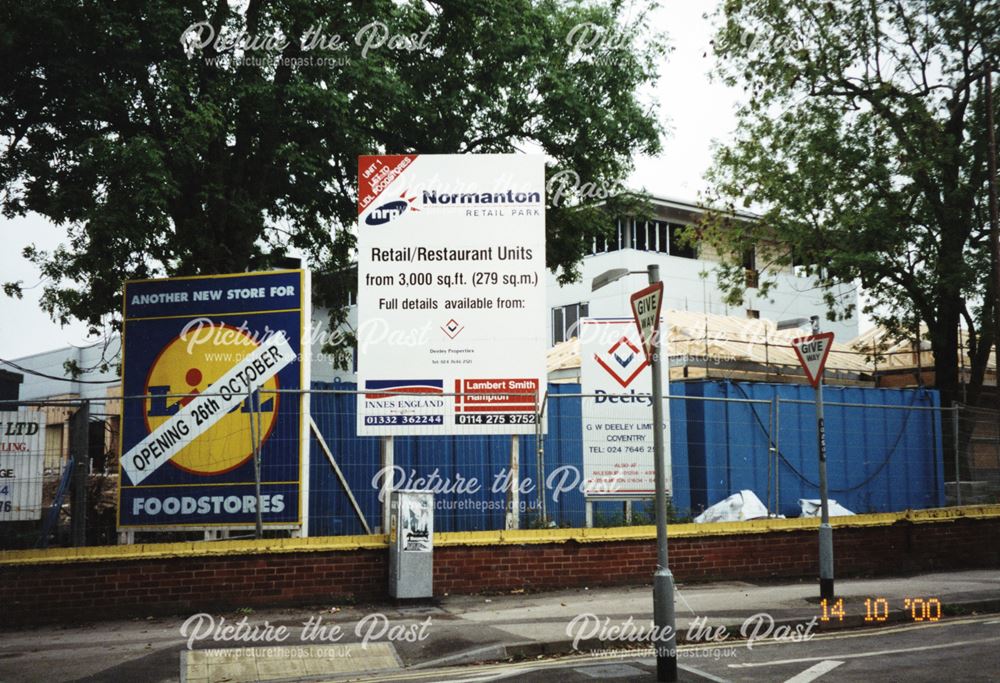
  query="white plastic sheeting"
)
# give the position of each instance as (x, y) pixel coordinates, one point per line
(810, 508)
(738, 507)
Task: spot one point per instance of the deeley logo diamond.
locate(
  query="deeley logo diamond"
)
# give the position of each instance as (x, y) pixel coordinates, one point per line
(622, 361)
(452, 328)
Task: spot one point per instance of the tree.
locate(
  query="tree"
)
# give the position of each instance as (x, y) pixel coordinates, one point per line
(180, 138)
(864, 139)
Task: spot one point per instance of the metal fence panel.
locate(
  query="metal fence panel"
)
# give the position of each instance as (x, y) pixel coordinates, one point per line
(885, 452)
(979, 457)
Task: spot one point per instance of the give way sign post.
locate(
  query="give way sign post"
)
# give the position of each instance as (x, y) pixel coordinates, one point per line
(646, 304)
(813, 352)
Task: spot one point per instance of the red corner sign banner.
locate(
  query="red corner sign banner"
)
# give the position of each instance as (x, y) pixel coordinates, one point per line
(376, 173)
(812, 352)
(646, 305)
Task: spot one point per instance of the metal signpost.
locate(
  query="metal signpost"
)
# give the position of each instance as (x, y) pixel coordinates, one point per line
(646, 305)
(812, 352)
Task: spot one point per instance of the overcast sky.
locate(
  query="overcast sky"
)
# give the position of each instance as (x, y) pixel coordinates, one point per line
(696, 110)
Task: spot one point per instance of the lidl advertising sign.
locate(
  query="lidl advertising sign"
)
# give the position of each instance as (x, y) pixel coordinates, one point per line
(451, 293)
(212, 366)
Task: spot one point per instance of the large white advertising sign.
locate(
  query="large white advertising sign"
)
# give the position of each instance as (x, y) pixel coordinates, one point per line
(22, 451)
(451, 293)
(617, 384)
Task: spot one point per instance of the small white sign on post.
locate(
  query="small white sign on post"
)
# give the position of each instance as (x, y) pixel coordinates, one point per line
(22, 450)
(646, 305)
(812, 352)
(416, 521)
(617, 429)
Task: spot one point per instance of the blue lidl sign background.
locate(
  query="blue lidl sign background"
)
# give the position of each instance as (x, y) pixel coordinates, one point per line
(204, 358)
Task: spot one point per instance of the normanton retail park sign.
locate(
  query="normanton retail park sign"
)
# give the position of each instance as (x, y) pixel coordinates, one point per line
(451, 302)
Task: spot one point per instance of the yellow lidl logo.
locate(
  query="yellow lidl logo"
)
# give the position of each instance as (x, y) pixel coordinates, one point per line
(187, 367)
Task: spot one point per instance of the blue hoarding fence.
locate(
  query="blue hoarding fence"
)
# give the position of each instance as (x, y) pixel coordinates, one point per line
(885, 453)
(884, 446)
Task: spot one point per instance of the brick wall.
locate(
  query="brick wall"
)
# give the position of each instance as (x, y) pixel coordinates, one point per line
(40, 593)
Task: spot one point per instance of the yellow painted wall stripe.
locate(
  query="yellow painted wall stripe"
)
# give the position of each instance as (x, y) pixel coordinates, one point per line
(151, 551)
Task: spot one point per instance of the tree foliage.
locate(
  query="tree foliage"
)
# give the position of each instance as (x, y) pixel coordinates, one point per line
(863, 138)
(168, 158)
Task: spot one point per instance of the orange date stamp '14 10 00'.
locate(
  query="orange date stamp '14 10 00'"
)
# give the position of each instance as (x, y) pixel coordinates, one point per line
(877, 609)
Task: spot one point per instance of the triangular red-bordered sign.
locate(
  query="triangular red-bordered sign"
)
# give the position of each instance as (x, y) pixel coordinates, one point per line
(646, 305)
(813, 352)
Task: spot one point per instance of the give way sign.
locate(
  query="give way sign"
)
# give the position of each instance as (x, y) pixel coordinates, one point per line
(812, 352)
(646, 304)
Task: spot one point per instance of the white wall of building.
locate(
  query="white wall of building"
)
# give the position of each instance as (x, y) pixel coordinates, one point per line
(92, 385)
(686, 289)
(35, 387)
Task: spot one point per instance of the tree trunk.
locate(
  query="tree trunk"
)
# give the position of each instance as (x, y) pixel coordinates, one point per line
(944, 340)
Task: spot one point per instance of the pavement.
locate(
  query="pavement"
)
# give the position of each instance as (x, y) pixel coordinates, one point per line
(380, 641)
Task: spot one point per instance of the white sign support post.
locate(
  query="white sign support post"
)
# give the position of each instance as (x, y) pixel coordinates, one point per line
(513, 520)
(646, 305)
(812, 352)
(388, 469)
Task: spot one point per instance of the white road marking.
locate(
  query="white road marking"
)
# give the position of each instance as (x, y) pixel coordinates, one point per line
(703, 674)
(922, 648)
(815, 671)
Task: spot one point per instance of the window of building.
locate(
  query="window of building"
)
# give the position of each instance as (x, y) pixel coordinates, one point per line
(678, 245)
(799, 266)
(662, 237)
(609, 242)
(655, 236)
(750, 267)
(566, 321)
(53, 459)
(641, 240)
(753, 314)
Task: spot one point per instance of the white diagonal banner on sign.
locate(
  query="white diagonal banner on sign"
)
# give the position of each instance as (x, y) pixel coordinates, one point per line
(202, 412)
